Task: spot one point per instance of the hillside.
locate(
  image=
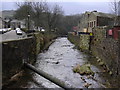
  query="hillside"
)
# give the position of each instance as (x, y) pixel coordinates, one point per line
(8, 13)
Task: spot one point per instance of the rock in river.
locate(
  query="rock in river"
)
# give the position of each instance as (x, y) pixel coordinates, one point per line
(83, 69)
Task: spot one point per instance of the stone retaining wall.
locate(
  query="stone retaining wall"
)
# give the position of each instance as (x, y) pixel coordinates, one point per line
(102, 46)
(84, 42)
(107, 49)
(13, 53)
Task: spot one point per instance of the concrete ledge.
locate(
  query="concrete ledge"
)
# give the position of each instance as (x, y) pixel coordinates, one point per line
(16, 39)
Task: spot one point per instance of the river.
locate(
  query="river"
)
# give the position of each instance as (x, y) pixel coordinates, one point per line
(59, 61)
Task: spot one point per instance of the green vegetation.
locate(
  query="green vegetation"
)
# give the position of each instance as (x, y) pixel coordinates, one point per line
(84, 42)
(101, 63)
(24, 29)
(43, 40)
(81, 42)
(83, 69)
(50, 17)
(74, 39)
(47, 38)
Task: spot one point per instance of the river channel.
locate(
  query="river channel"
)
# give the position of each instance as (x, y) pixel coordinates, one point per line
(59, 61)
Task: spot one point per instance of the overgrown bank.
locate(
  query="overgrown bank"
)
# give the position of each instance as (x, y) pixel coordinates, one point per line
(104, 48)
(75, 40)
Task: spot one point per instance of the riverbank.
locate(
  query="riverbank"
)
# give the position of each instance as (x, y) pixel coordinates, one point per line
(112, 81)
(75, 40)
(59, 61)
(37, 44)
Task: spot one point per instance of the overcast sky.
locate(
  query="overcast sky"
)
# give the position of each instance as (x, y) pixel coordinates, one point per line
(70, 7)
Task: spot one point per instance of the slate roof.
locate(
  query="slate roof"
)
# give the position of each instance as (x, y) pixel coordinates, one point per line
(103, 14)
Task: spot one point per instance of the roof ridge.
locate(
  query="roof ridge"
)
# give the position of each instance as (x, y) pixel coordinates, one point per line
(103, 14)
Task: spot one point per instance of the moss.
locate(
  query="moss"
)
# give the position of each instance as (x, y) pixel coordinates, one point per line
(81, 42)
(24, 29)
(75, 40)
(42, 41)
(101, 63)
(83, 69)
(99, 60)
(84, 42)
(110, 73)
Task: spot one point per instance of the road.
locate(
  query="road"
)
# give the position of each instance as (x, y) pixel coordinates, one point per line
(11, 35)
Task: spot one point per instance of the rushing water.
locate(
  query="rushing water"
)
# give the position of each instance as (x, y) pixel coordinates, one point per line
(59, 61)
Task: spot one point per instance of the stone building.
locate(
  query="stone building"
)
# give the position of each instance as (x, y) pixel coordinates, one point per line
(1, 25)
(11, 23)
(17, 24)
(83, 23)
(118, 21)
(7, 20)
(94, 19)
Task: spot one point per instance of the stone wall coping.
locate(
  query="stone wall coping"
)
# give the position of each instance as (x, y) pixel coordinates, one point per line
(16, 39)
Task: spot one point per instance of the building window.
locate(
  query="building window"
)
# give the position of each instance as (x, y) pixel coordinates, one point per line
(90, 24)
(94, 23)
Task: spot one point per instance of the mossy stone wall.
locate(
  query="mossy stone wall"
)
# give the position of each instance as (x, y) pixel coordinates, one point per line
(106, 48)
(84, 42)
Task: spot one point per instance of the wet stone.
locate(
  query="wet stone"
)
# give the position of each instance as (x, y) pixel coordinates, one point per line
(62, 67)
(87, 85)
(83, 69)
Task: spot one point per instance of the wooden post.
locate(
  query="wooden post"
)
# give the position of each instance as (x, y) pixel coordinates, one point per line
(48, 76)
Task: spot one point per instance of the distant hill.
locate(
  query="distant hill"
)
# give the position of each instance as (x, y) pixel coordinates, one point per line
(8, 13)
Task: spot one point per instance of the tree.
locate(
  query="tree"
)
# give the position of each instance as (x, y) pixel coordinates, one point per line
(41, 13)
(115, 6)
(53, 15)
(38, 13)
(71, 21)
(23, 10)
(119, 8)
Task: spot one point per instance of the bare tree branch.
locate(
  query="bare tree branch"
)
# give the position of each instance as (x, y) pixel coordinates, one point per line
(115, 7)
